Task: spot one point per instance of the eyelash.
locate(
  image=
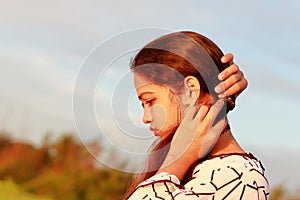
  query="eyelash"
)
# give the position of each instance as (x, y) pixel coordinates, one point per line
(150, 102)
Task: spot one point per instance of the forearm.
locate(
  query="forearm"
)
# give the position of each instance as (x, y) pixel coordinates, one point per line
(176, 166)
(179, 165)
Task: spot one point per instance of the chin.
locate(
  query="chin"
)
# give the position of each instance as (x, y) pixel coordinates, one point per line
(167, 133)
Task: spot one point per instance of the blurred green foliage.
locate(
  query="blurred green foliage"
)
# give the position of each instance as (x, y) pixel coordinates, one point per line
(10, 191)
(63, 169)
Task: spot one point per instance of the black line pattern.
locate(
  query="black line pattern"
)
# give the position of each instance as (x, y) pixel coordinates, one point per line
(169, 191)
(227, 177)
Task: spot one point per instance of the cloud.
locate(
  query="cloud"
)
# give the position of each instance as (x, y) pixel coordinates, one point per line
(38, 89)
(43, 46)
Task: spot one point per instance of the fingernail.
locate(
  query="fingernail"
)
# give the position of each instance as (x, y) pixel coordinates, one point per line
(221, 77)
(221, 96)
(219, 88)
(223, 59)
(220, 102)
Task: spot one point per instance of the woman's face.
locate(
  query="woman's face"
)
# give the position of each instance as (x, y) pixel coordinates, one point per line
(160, 106)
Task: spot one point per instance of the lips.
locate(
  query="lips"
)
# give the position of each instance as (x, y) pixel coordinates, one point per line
(154, 130)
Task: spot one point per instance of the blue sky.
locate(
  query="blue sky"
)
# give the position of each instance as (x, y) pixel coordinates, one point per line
(44, 46)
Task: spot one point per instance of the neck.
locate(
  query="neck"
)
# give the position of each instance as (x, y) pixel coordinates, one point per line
(226, 145)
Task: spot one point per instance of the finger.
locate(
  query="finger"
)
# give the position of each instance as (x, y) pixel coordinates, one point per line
(232, 69)
(224, 85)
(202, 113)
(218, 127)
(235, 86)
(211, 138)
(227, 58)
(189, 113)
(213, 112)
(220, 88)
(236, 89)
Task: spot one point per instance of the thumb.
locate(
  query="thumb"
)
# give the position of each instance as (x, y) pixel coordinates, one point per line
(214, 111)
(211, 138)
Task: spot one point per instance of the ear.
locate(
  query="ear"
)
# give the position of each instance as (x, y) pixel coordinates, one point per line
(192, 85)
(191, 91)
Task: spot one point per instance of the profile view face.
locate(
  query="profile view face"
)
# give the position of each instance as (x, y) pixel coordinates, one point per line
(160, 106)
(168, 76)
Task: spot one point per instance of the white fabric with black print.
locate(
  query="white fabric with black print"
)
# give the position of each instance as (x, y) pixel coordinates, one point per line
(225, 177)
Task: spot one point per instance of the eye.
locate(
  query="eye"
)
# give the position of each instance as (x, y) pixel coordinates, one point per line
(149, 102)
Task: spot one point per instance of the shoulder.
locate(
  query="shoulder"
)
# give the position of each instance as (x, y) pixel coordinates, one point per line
(237, 162)
(238, 173)
(241, 166)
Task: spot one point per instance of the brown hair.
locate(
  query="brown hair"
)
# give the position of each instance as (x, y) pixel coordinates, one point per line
(167, 61)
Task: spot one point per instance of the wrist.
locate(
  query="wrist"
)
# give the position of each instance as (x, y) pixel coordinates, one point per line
(177, 166)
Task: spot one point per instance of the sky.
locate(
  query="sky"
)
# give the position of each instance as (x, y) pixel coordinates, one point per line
(64, 68)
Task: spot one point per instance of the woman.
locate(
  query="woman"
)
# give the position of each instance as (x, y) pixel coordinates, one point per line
(196, 157)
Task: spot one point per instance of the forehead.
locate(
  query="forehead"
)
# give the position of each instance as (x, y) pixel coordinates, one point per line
(142, 85)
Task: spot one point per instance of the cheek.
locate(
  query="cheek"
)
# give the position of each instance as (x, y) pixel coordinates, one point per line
(159, 115)
(164, 117)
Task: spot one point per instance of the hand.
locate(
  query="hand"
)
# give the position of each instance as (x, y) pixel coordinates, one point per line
(233, 80)
(194, 138)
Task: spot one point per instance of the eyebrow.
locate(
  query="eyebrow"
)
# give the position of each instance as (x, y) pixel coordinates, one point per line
(140, 96)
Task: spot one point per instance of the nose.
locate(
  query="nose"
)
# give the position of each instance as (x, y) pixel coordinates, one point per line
(147, 118)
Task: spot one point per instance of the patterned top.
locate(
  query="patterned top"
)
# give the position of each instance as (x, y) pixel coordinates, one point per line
(226, 177)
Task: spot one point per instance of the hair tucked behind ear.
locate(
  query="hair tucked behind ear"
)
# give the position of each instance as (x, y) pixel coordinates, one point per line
(167, 61)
